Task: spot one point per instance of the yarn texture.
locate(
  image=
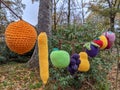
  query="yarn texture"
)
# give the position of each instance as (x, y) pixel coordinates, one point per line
(104, 40)
(93, 51)
(60, 58)
(84, 65)
(43, 56)
(20, 37)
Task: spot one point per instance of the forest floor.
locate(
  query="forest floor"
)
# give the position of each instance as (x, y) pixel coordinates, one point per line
(16, 76)
(112, 78)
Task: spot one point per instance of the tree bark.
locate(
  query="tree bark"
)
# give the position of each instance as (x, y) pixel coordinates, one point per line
(68, 17)
(83, 17)
(112, 22)
(0, 17)
(44, 25)
(113, 5)
(55, 23)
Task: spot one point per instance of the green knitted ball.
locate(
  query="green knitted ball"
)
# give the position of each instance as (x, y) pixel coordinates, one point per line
(60, 58)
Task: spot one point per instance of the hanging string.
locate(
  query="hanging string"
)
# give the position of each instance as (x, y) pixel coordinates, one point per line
(10, 9)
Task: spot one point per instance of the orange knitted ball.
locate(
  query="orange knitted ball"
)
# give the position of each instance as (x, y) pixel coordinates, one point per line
(20, 37)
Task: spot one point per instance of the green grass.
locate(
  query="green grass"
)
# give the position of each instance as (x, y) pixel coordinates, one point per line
(17, 75)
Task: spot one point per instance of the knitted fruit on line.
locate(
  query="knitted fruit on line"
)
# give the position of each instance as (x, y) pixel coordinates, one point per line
(93, 51)
(84, 66)
(43, 56)
(109, 44)
(20, 37)
(74, 63)
(104, 40)
(110, 35)
(60, 58)
(98, 42)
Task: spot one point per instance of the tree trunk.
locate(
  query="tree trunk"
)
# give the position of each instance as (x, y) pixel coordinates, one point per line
(0, 17)
(83, 17)
(44, 25)
(68, 17)
(55, 23)
(112, 22)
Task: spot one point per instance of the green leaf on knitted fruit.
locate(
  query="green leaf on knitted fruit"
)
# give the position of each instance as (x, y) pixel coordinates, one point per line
(55, 49)
(87, 45)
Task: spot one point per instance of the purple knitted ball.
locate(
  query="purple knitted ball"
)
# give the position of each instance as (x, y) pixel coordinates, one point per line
(75, 56)
(78, 62)
(72, 61)
(74, 67)
(93, 52)
(71, 70)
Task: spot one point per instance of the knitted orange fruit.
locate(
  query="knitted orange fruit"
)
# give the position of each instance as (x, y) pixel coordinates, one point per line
(20, 37)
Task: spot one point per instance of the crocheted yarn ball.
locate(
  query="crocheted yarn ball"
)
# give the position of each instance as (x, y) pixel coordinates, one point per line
(104, 40)
(60, 58)
(74, 64)
(93, 51)
(109, 44)
(98, 42)
(110, 35)
(20, 37)
(84, 66)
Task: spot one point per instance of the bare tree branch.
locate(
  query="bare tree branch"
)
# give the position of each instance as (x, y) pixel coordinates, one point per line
(57, 1)
(118, 4)
(115, 3)
(62, 8)
(109, 3)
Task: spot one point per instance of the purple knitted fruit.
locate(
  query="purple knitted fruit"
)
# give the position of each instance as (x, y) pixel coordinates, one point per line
(74, 67)
(71, 70)
(77, 62)
(74, 63)
(75, 56)
(93, 52)
(75, 59)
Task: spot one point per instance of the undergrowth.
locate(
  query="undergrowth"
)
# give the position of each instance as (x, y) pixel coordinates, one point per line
(70, 39)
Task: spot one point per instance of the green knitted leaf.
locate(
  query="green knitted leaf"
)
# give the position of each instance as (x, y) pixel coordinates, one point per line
(87, 45)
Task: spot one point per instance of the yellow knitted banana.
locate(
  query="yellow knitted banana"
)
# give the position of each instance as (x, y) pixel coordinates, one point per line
(43, 56)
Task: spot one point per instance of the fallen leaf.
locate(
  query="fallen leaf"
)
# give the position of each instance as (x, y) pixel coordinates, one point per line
(41, 88)
(2, 78)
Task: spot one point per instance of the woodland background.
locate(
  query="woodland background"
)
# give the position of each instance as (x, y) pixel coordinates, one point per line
(73, 23)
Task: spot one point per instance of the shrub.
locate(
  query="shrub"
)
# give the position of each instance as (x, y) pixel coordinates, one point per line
(2, 59)
(2, 52)
(8, 55)
(72, 40)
